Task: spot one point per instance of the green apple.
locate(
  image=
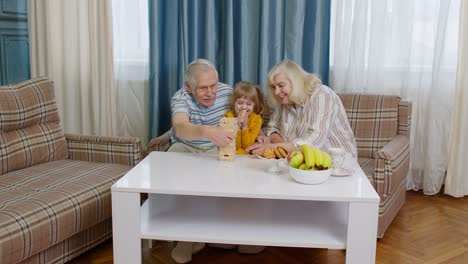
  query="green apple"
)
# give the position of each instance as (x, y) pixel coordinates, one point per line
(295, 158)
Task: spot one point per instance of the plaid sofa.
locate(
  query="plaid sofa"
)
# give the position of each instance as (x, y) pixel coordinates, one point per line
(54, 188)
(381, 126)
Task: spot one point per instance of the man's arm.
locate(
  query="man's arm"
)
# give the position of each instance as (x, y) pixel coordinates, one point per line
(184, 129)
(187, 131)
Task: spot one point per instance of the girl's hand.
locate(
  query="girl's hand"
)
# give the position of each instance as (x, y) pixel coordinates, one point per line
(243, 119)
(240, 123)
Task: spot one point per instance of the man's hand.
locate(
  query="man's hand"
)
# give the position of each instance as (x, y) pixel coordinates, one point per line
(187, 131)
(219, 136)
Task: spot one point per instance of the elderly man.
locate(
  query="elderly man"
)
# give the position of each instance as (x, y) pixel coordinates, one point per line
(197, 109)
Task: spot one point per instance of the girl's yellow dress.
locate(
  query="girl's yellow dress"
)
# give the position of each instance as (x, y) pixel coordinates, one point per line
(246, 138)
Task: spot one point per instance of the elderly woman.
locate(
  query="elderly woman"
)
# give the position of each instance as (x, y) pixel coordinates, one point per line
(306, 112)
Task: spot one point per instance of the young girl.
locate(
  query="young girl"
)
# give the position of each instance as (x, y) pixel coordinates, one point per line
(248, 106)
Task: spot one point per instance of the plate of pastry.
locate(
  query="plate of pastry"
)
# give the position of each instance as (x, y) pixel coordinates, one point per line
(273, 153)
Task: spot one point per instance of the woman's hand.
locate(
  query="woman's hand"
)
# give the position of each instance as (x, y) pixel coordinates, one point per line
(257, 148)
(276, 138)
(262, 139)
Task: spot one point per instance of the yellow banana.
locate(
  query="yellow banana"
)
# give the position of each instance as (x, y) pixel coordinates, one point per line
(318, 158)
(327, 161)
(308, 155)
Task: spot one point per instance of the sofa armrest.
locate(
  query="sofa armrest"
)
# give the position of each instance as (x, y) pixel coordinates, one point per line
(404, 118)
(392, 164)
(397, 148)
(106, 149)
(161, 143)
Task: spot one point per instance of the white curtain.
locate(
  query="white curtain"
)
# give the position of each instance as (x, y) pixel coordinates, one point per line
(71, 43)
(456, 183)
(407, 48)
(131, 47)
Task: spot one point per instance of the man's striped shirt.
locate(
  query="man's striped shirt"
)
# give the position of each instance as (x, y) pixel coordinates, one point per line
(184, 102)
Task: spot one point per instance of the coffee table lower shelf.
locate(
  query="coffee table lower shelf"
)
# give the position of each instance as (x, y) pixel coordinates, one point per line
(268, 222)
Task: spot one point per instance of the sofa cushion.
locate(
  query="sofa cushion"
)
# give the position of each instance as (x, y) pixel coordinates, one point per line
(47, 203)
(368, 166)
(373, 118)
(30, 132)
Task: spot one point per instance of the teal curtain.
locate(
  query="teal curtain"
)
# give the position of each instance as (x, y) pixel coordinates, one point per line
(244, 39)
(14, 41)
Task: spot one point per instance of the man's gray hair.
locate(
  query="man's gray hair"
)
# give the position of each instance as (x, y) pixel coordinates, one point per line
(195, 68)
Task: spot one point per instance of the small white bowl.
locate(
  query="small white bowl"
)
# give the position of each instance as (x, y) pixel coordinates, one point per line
(309, 176)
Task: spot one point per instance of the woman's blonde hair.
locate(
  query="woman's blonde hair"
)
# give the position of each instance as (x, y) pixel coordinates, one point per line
(302, 82)
(250, 91)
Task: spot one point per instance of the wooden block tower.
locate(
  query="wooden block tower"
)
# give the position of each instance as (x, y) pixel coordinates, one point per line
(228, 152)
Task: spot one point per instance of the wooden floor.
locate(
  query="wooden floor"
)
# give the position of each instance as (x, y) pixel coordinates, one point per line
(428, 229)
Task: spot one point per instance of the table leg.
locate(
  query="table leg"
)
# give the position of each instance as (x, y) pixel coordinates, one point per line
(126, 227)
(362, 233)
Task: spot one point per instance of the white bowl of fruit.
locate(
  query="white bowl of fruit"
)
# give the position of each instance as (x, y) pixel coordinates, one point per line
(309, 165)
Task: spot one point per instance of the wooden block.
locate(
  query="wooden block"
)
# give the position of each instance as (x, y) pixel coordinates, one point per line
(228, 152)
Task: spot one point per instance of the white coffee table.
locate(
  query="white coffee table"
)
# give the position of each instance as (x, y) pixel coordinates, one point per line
(196, 197)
